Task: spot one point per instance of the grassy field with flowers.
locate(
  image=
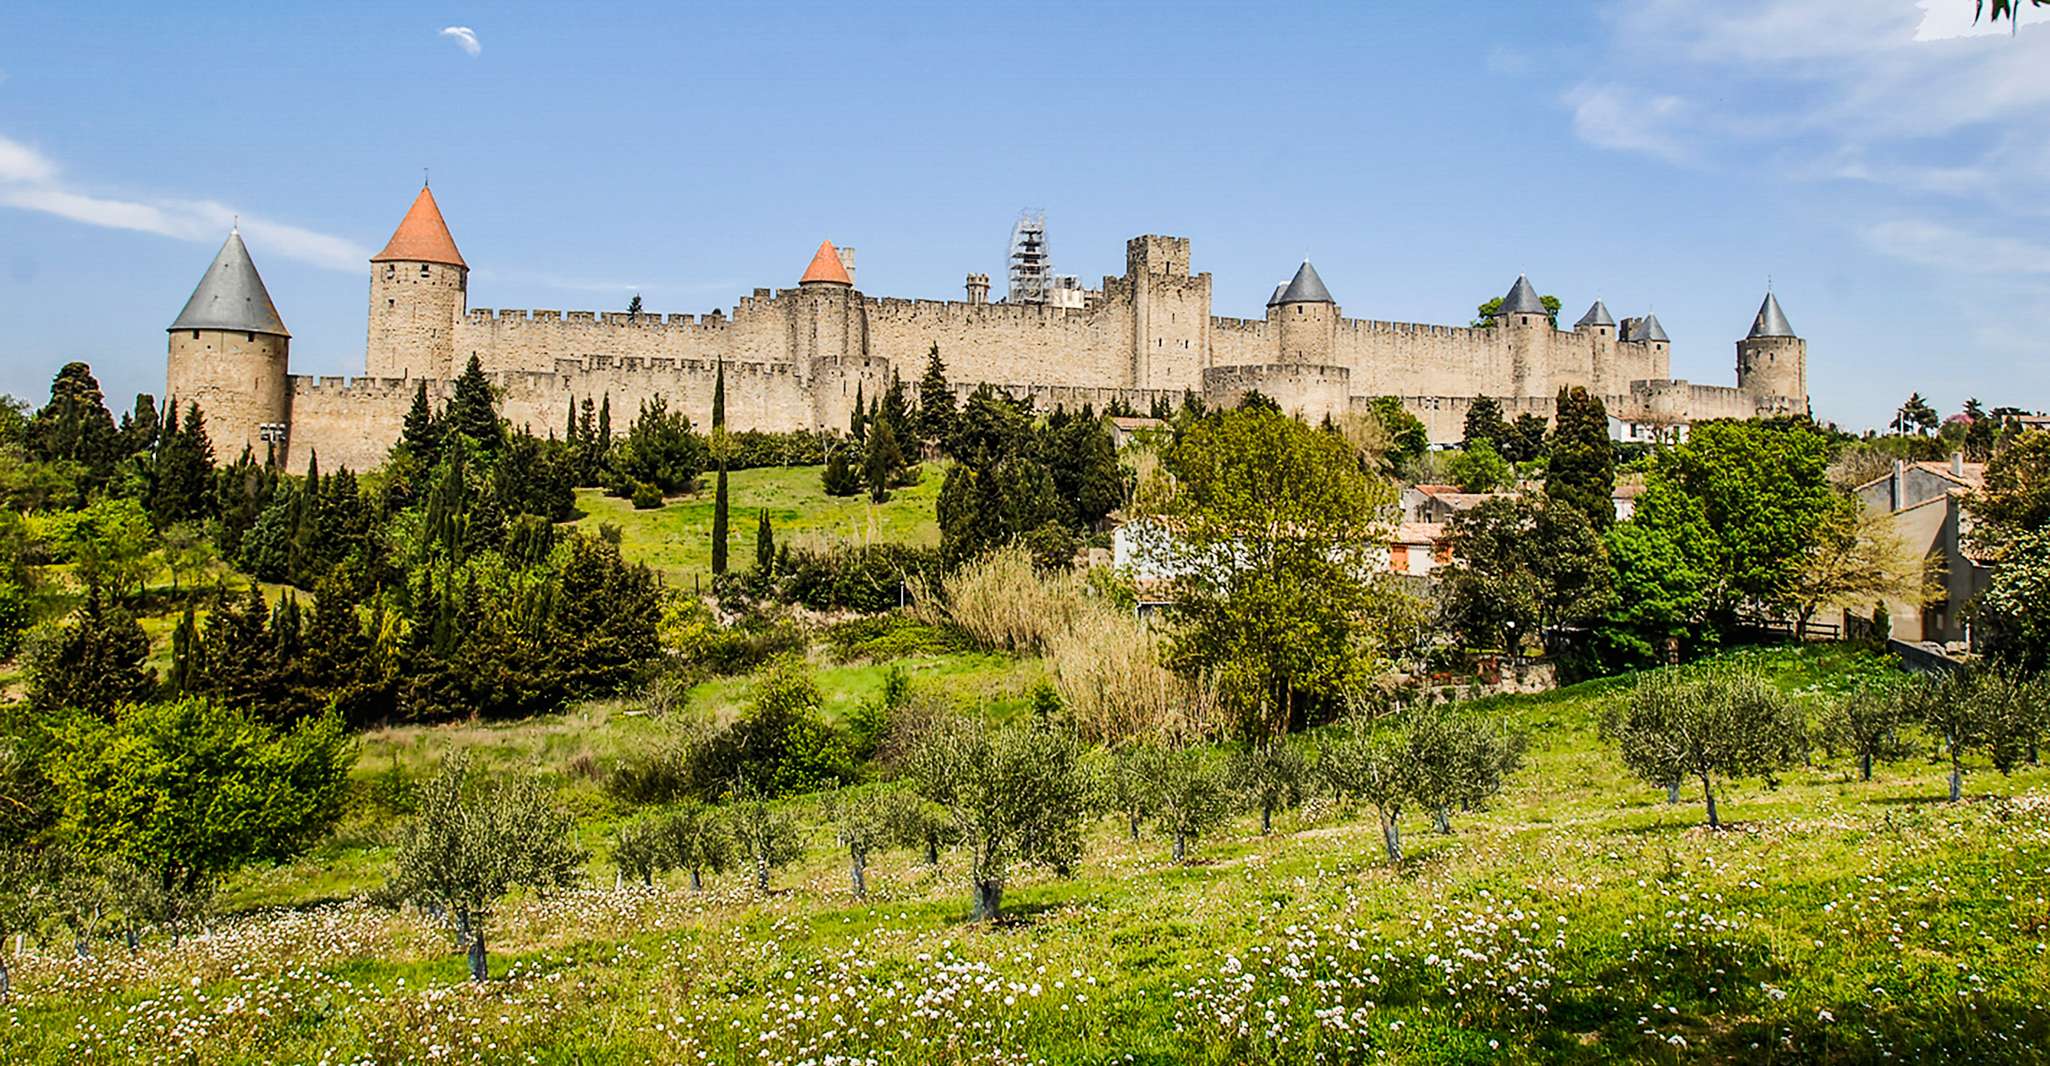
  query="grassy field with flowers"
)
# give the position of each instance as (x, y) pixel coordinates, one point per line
(1580, 918)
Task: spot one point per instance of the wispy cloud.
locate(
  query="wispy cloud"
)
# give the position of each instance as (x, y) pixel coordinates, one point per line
(1946, 247)
(465, 39)
(31, 181)
(1616, 116)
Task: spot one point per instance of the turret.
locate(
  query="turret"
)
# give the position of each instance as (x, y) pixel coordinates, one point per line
(229, 353)
(1771, 360)
(1306, 319)
(1597, 321)
(978, 288)
(419, 288)
(826, 325)
(1522, 306)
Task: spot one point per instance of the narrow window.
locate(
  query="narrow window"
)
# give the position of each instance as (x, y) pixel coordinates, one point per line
(389, 271)
(195, 334)
(250, 337)
(423, 270)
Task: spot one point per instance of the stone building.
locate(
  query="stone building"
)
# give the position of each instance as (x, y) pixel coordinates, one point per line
(798, 357)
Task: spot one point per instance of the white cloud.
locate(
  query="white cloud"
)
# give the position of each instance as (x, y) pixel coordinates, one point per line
(1945, 19)
(1945, 247)
(465, 39)
(1616, 116)
(30, 181)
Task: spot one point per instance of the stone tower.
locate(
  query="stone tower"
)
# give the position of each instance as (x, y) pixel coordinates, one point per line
(229, 352)
(1771, 360)
(419, 288)
(1526, 328)
(978, 288)
(1170, 314)
(825, 320)
(1306, 319)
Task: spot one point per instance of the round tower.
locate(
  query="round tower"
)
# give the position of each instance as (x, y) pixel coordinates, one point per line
(1771, 361)
(229, 353)
(1306, 319)
(419, 289)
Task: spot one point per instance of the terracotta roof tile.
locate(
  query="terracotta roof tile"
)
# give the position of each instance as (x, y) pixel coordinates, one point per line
(422, 236)
(826, 267)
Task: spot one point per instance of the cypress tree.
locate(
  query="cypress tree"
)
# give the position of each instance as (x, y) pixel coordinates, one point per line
(857, 423)
(422, 433)
(140, 429)
(182, 481)
(839, 478)
(765, 545)
(895, 409)
(935, 400)
(1582, 471)
(719, 513)
(882, 461)
(1484, 422)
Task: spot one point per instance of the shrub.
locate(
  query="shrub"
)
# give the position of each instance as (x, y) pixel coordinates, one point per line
(646, 497)
(888, 636)
(870, 578)
(14, 618)
(1001, 603)
(781, 745)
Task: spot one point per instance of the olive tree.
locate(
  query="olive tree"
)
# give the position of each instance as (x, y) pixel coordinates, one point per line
(641, 850)
(767, 837)
(1456, 760)
(1362, 764)
(1122, 787)
(1016, 795)
(24, 902)
(472, 842)
(1998, 713)
(1270, 776)
(697, 841)
(1871, 724)
(1708, 726)
(1191, 794)
(862, 825)
(921, 823)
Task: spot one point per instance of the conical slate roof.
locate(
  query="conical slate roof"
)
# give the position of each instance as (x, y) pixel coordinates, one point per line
(826, 267)
(1305, 288)
(1276, 298)
(1598, 315)
(422, 236)
(1771, 321)
(1522, 299)
(231, 296)
(1650, 330)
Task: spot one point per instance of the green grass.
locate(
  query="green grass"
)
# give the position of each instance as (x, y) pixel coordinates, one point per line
(1579, 918)
(676, 539)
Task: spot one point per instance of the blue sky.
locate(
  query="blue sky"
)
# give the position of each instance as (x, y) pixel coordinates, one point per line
(1880, 162)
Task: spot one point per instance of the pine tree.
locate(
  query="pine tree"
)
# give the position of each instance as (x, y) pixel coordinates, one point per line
(633, 306)
(182, 481)
(140, 429)
(96, 664)
(421, 435)
(857, 423)
(75, 425)
(719, 447)
(1484, 422)
(839, 478)
(472, 410)
(893, 408)
(1582, 471)
(935, 400)
(765, 545)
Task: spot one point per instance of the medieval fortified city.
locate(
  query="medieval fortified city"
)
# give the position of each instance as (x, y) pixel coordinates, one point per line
(1502, 641)
(796, 357)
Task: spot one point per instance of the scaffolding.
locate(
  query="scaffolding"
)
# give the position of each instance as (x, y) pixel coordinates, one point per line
(1031, 267)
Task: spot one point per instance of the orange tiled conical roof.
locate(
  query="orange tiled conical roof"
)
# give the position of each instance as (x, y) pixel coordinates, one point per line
(826, 267)
(422, 237)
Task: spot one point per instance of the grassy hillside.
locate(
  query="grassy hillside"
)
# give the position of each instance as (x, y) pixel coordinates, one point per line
(676, 539)
(1580, 918)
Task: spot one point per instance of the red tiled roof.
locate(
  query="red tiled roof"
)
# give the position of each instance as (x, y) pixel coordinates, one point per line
(826, 267)
(422, 236)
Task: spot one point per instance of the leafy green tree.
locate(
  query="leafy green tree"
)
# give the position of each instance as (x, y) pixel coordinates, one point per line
(719, 449)
(189, 790)
(1191, 794)
(473, 409)
(1582, 470)
(1362, 764)
(1485, 314)
(472, 842)
(2009, 614)
(1524, 439)
(1522, 567)
(1479, 467)
(1484, 422)
(1709, 726)
(24, 903)
(935, 400)
(782, 744)
(641, 850)
(1121, 785)
(660, 449)
(2008, 9)
(1408, 439)
(1016, 795)
(97, 663)
(1275, 529)
(1871, 723)
(1087, 473)
(696, 838)
(766, 836)
(108, 543)
(2016, 497)
(1664, 560)
(1997, 712)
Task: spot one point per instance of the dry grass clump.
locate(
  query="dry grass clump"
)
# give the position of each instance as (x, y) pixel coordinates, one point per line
(1106, 663)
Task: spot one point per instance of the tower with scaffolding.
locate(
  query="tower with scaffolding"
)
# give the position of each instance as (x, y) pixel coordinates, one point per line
(1031, 266)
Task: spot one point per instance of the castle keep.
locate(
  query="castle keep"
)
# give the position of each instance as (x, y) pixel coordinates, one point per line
(798, 357)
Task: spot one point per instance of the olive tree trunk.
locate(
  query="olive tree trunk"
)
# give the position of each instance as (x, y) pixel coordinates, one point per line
(989, 899)
(1708, 792)
(1391, 836)
(1181, 846)
(697, 879)
(480, 971)
(857, 872)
